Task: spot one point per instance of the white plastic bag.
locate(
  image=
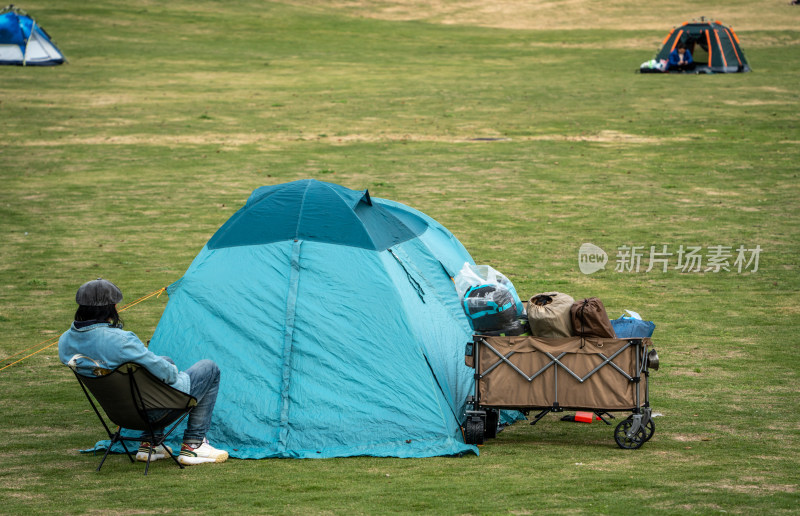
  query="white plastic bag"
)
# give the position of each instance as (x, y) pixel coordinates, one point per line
(475, 275)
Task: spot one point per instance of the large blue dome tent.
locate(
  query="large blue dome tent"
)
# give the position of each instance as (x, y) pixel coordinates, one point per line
(336, 324)
(24, 42)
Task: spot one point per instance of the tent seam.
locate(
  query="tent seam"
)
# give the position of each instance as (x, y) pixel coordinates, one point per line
(288, 338)
(300, 212)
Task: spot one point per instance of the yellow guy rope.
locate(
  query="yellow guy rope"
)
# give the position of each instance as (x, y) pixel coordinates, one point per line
(54, 340)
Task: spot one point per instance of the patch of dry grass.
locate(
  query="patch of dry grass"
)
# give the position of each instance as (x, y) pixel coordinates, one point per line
(274, 140)
(569, 14)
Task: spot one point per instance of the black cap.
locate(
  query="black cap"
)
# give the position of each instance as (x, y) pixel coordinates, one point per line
(98, 292)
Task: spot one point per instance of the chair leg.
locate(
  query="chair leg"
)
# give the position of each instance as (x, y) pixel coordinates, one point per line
(149, 454)
(108, 450)
(176, 461)
(128, 453)
(166, 434)
(160, 442)
(104, 459)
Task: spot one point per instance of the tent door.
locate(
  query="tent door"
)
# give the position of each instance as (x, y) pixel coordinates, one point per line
(39, 49)
(699, 49)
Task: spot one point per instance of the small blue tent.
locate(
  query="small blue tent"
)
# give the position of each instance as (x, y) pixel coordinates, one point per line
(336, 324)
(24, 42)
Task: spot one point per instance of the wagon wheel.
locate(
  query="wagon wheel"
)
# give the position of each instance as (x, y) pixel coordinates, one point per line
(649, 430)
(492, 420)
(473, 430)
(625, 442)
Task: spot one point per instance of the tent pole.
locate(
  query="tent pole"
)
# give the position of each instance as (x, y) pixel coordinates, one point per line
(27, 41)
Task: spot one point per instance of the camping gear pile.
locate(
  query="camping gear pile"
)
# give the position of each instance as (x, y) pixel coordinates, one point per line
(24, 42)
(493, 308)
(714, 47)
(570, 356)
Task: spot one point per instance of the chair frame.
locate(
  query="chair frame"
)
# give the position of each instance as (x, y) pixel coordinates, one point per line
(172, 415)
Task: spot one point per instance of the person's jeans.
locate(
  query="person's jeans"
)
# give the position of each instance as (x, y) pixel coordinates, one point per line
(204, 376)
(204, 386)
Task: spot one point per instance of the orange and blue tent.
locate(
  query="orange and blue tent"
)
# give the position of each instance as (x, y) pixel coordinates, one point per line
(715, 48)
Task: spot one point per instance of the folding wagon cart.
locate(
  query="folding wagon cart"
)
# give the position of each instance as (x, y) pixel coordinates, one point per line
(553, 375)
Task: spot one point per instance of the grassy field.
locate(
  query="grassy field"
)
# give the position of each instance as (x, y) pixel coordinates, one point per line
(525, 132)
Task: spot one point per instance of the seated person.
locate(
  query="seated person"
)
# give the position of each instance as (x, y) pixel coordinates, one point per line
(680, 59)
(96, 342)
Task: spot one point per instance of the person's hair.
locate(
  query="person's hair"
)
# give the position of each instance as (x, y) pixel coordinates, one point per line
(681, 46)
(99, 313)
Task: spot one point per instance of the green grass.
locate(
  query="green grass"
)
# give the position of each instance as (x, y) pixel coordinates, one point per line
(124, 162)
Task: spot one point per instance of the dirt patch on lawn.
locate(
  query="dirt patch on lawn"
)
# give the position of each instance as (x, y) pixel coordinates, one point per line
(762, 489)
(233, 140)
(565, 14)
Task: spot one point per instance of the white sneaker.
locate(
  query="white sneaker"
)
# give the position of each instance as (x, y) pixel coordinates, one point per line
(159, 452)
(204, 453)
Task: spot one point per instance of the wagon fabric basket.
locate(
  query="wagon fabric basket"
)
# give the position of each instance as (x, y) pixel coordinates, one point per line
(601, 375)
(607, 388)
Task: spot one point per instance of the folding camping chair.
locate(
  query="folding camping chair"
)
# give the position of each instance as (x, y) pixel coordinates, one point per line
(133, 398)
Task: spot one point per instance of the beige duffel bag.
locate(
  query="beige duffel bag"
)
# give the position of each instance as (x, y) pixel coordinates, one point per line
(549, 315)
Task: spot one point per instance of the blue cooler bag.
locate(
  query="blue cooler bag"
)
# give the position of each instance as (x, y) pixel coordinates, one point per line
(632, 325)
